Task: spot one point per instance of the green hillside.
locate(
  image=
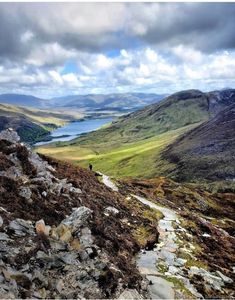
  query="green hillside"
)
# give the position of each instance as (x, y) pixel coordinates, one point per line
(141, 158)
(176, 111)
(33, 124)
(134, 144)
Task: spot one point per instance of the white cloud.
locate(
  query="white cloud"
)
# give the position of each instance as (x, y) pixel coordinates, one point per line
(103, 62)
(26, 36)
(145, 69)
(187, 54)
(50, 54)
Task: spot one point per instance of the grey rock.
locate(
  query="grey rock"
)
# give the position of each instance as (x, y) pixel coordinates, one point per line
(86, 238)
(22, 227)
(59, 285)
(40, 277)
(12, 172)
(111, 210)
(173, 270)
(100, 265)
(4, 294)
(1, 279)
(180, 262)
(83, 255)
(130, 294)
(9, 135)
(4, 237)
(3, 249)
(44, 193)
(225, 278)
(1, 221)
(215, 282)
(52, 261)
(58, 245)
(78, 217)
(25, 192)
(69, 258)
(161, 288)
(75, 190)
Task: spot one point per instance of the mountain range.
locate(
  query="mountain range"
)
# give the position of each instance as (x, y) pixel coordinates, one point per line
(114, 102)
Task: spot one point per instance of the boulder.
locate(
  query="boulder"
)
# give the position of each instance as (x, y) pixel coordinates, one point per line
(225, 278)
(4, 237)
(75, 190)
(78, 218)
(86, 238)
(9, 135)
(41, 228)
(21, 227)
(111, 210)
(25, 192)
(130, 294)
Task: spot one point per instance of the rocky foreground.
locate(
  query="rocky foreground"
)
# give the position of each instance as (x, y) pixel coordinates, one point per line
(63, 233)
(66, 234)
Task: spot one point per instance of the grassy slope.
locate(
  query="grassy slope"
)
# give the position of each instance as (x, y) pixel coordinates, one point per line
(131, 146)
(33, 124)
(39, 116)
(171, 113)
(140, 158)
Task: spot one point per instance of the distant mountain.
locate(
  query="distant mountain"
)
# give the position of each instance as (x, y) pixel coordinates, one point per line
(98, 102)
(23, 100)
(120, 102)
(206, 152)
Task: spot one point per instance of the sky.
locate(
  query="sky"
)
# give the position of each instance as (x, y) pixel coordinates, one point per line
(57, 49)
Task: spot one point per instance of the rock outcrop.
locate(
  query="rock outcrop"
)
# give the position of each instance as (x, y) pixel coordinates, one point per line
(63, 233)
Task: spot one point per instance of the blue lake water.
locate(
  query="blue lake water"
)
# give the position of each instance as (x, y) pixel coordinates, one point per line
(74, 129)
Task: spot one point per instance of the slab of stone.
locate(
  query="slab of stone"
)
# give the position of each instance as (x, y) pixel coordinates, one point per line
(161, 288)
(130, 294)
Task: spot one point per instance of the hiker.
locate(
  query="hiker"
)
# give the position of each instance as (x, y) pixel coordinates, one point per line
(90, 167)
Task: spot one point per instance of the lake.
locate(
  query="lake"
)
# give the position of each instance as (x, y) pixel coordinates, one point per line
(74, 129)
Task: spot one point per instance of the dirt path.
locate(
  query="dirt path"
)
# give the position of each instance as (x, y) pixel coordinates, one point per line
(163, 266)
(164, 254)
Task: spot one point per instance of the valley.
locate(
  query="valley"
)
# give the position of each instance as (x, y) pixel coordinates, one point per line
(117, 150)
(152, 135)
(150, 220)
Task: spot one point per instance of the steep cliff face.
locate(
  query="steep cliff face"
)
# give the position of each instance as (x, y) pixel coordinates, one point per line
(63, 233)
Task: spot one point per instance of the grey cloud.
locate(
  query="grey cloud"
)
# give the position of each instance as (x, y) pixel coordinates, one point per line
(205, 26)
(97, 27)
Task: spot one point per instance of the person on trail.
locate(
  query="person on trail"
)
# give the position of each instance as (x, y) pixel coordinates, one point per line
(90, 167)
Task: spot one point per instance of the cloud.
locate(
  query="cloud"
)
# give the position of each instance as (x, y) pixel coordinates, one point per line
(204, 26)
(60, 48)
(146, 69)
(97, 27)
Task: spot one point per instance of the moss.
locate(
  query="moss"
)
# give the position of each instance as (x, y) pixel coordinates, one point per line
(153, 215)
(162, 267)
(197, 263)
(189, 225)
(178, 284)
(142, 234)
